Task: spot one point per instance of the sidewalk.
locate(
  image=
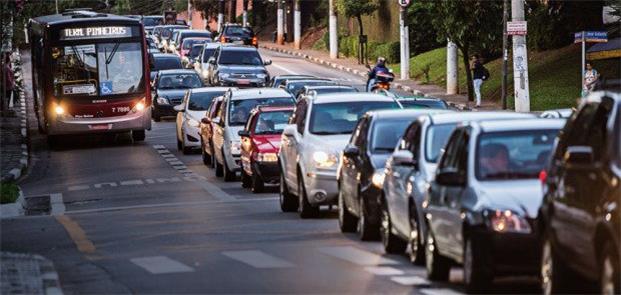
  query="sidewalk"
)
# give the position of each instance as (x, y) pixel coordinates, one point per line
(351, 65)
(27, 274)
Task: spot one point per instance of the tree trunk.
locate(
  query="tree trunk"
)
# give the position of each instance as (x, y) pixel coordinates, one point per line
(465, 55)
(359, 18)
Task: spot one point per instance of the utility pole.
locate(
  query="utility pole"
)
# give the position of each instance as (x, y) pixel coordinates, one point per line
(190, 13)
(334, 38)
(505, 53)
(56, 6)
(520, 62)
(297, 24)
(220, 15)
(405, 44)
(280, 18)
(452, 72)
(245, 13)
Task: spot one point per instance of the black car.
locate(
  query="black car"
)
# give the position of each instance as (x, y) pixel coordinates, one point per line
(163, 61)
(239, 66)
(582, 201)
(150, 21)
(279, 80)
(362, 169)
(237, 34)
(294, 86)
(307, 90)
(170, 86)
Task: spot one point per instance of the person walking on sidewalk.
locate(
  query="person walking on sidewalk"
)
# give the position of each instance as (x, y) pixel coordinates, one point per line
(479, 74)
(8, 82)
(591, 77)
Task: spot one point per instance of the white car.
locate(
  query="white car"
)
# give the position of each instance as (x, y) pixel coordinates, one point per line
(202, 65)
(232, 116)
(318, 131)
(190, 112)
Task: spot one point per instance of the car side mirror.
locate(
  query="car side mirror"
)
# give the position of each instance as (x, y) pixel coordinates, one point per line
(179, 108)
(216, 120)
(579, 155)
(351, 151)
(403, 158)
(267, 62)
(211, 61)
(450, 177)
(243, 133)
(205, 120)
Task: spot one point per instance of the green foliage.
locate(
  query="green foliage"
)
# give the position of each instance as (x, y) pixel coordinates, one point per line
(422, 30)
(122, 7)
(356, 8)
(208, 8)
(9, 192)
(390, 51)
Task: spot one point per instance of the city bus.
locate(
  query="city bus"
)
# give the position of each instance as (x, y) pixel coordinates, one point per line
(90, 74)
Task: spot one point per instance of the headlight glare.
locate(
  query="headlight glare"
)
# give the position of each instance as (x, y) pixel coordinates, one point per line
(266, 157)
(378, 178)
(324, 160)
(59, 110)
(162, 100)
(506, 221)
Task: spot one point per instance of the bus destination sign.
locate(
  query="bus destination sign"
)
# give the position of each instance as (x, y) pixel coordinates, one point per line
(95, 33)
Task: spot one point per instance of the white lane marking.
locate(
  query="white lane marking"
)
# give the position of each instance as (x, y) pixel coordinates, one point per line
(161, 265)
(174, 204)
(173, 159)
(78, 188)
(175, 162)
(357, 256)
(384, 270)
(215, 191)
(284, 69)
(258, 259)
(410, 281)
(440, 291)
(163, 151)
(57, 205)
(179, 166)
(159, 147)
(169, 156)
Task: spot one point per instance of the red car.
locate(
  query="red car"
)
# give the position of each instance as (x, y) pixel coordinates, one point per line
(260, 142)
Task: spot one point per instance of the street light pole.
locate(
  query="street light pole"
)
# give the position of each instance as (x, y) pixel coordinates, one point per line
(505, 53)
(245, 13)
(334, 39)
(520, 62)
(280, 18)
(297, 24)
(56, 6)
(405, 46)
(220, 15)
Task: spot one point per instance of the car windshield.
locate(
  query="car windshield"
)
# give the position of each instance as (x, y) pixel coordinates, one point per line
(341, 117)
(102, 69)
(188, 43)
(208, 53)
(152, 21)
(238, 31)
(513, 155)
(272, 122)
(239, 110)
(424, 104)
(437, 136)
(200, 101)
(240, 57)
(179, 81)
(166, 64)
(196, 50)
(386, 134)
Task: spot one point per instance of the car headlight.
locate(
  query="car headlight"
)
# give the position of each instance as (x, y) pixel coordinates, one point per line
(235, 147)
(205, 73)
(324, 160)
(223, 75)
(508, 222)
(266, 157)
(192, 122)
(378, 178)
(261, 76)
(162, 100)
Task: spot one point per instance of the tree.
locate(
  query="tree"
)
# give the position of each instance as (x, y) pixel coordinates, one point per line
(207, 8)
(356, 8)
(473, 27)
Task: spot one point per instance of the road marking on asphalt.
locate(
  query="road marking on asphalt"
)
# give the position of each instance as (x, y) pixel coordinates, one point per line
(410, 280)
(161, 265)
(159, 147)
(77, 234)
(357, 256)
(284, 69)
(215, 191)
(384, 270)
(258, 259)
(172, 160)
(56, 204)
(440, 291)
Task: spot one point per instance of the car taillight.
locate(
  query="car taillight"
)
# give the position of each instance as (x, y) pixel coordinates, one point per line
(222, 39)
(543, 177)
(255, 42)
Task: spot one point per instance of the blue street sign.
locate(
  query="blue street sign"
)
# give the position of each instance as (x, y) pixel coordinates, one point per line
(591, 37)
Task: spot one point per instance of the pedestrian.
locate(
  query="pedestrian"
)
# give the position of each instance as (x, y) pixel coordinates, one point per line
(479, 75)
(591, 77)
(8, 83)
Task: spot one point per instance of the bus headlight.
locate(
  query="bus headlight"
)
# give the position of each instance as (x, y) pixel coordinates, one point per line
(59, 110)
(140, 106)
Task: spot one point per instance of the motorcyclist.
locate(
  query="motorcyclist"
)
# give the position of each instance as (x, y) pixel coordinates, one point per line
(380, 67)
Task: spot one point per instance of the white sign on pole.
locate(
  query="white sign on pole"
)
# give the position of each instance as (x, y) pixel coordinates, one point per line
(517, 28)
(404, 3)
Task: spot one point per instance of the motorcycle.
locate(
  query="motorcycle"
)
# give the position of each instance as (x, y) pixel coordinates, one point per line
(382, 80)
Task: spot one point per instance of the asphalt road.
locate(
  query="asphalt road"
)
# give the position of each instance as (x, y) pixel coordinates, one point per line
(143, 218)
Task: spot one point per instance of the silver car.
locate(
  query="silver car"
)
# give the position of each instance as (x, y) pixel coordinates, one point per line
(318, 131)
(409, 171)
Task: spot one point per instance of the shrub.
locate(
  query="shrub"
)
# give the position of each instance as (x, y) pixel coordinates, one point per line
(9, 192)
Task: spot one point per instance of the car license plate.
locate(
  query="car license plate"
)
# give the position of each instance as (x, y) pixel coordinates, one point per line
(100, 126)
(243, 81)
(241, 42)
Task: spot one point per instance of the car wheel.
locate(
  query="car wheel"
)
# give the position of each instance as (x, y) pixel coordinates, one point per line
(609, 271)
(554, 274)
(366, 230)
(179, 144)
(257, 185)
(477, 275)
(417, 247)
(206, 157)
(245, 179)
(438, 267)
(138, 135)
(213, 156)
(287, 201)
(347, 221)
(392, 244)
(305, 208)
(219, 168)
(228, 174)
(185, 149)
(156, 116)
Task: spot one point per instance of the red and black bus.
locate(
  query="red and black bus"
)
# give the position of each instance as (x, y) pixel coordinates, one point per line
(90, 74)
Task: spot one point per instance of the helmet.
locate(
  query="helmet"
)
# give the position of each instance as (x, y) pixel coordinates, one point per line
(381, 60)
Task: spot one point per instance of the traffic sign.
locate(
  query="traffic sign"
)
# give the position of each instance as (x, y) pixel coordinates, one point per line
(591, 37)
(517, 28)
(404, 3)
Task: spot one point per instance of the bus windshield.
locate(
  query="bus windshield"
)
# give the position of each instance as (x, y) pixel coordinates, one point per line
(97, 69)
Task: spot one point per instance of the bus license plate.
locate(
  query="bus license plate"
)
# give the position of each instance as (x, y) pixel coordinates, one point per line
(100, 126)
(243, 81)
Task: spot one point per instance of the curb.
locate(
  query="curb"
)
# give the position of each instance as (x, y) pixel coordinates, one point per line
(397, 85)
(13, 209)
(17, 172)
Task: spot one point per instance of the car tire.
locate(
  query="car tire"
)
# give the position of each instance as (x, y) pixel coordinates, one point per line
(138, 135)
(156, 116)
(213, 156)
(288, 203)
(53, 141)
(245, 179)
(257, 185)
(554, 274)
(305, 208)
(416, 240)
(366, 230)
(179, 144)
(438, 267)
(347, 221)
(610, 282)
(477, 272)
(392, 244)
(227, 174)
(218, 166)
(206, 157)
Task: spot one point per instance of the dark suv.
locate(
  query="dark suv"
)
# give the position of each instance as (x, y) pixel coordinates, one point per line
(239, 66)
(582, 200)
(237, 34)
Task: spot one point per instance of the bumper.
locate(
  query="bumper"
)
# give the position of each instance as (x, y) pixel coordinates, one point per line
(321, 187)
(233, 162)
(267, 171)
(131, 121)
(164, 110)
(371, 195)
(511, 253)
(192, 137)
(236, 83)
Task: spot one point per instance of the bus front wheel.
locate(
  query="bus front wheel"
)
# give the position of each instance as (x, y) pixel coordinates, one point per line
(138, 135)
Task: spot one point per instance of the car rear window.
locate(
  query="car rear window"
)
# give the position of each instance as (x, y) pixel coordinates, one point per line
(238, 31)
(239, 110)
(386, 134)
(240, 57)
(200, 101)
(424, 104)
(272, 122)
(341, 117)
(166, 64)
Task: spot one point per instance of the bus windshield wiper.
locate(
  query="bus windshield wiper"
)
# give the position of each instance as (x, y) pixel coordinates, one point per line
(77, 54)
(109, 58)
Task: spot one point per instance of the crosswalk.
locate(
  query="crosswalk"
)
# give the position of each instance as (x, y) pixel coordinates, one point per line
(395, 271)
